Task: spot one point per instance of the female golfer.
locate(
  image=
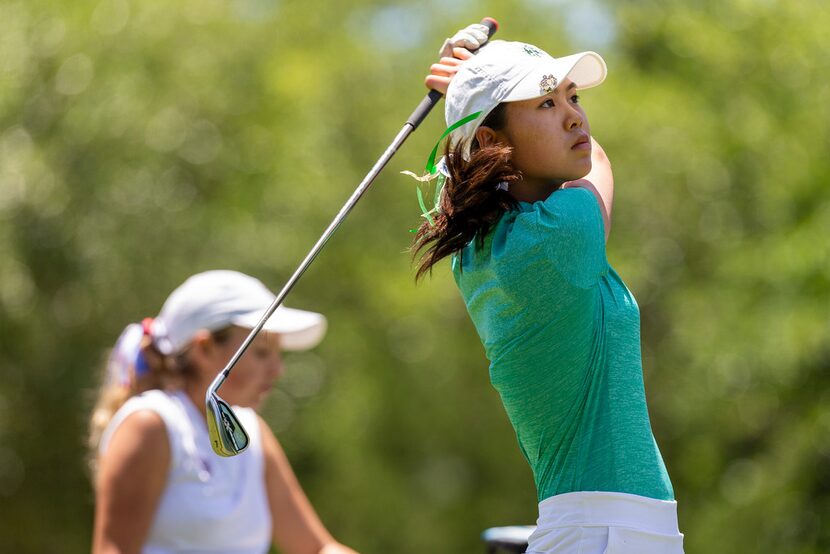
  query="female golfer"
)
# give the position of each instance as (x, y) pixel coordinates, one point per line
(524, 214)
(159, 488)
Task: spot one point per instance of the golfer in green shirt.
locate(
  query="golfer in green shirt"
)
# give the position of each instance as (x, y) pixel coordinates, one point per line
(524, 213)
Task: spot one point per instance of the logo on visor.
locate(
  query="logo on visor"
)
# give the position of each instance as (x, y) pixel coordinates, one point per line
(532, 51)
(548, 83)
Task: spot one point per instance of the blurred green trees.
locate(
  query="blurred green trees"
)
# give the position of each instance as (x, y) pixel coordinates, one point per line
(141, 142)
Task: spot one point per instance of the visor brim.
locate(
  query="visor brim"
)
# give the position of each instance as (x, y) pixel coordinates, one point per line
(585, 70)
(298, 329)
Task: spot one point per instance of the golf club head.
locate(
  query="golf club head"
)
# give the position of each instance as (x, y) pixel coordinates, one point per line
(227, 435)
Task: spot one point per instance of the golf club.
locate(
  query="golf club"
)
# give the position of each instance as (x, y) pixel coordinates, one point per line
(227, 435)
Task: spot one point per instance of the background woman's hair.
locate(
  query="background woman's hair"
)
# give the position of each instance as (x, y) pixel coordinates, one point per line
(166, 372)
(470, 203)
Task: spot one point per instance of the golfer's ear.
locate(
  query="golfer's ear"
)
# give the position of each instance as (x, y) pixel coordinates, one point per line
(486, 136)
(202, 345)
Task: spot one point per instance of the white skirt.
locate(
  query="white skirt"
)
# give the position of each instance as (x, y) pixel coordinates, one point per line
(606, 523)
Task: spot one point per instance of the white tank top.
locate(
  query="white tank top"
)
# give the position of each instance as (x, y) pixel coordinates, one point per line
(210, 504)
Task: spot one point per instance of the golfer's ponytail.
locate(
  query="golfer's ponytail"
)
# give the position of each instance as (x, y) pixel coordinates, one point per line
(472, 201)
(136, 365)
(120, 381)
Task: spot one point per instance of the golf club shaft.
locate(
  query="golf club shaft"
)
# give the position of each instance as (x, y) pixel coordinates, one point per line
(344, 211)
(420, 113)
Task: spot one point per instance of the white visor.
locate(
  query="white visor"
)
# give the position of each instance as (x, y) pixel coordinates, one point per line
(217, 299)
(298, 329)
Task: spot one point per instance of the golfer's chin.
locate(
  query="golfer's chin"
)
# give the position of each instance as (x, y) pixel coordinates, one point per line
(259, 400)
(582, 170)
(254, 401)
(575, 173)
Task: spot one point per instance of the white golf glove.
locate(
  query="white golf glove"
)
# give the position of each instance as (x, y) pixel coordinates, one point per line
(470, 37)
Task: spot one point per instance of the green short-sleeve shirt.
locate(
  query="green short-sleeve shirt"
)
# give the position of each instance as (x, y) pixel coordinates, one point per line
(562, 333)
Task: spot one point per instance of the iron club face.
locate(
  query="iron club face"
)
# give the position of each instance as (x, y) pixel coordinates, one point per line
(227, 435)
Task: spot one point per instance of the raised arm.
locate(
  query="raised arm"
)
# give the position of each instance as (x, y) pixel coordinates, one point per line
(131, 477)
(600, 181)
(296, 527)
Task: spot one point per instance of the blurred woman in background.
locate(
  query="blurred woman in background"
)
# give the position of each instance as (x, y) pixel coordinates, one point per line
(159, 488)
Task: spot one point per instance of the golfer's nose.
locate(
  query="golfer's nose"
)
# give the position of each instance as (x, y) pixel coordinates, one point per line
(574, 119)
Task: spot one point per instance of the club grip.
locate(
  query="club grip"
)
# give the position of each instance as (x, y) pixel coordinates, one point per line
(492, 26)
(432, 98)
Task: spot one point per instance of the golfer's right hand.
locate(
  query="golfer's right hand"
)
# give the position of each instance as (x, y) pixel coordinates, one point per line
(441, 73)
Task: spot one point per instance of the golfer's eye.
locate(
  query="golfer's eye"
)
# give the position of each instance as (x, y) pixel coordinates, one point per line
(575, 99)
(548, 103)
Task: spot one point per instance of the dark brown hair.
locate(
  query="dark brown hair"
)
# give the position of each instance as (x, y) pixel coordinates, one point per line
(470, 203)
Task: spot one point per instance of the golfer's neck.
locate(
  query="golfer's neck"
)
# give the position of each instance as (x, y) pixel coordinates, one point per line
(527, 190)
(196, 392)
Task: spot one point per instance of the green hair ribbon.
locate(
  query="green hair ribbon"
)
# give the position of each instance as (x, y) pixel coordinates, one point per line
(432, 172)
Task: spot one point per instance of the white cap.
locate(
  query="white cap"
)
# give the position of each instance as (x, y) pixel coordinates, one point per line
(217, 299)
(504, 71)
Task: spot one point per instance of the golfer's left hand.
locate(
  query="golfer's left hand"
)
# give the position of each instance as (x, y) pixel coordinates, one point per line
(441, 73)
(470, 37)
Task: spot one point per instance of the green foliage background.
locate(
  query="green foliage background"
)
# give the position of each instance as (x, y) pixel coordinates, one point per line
(141, 142)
